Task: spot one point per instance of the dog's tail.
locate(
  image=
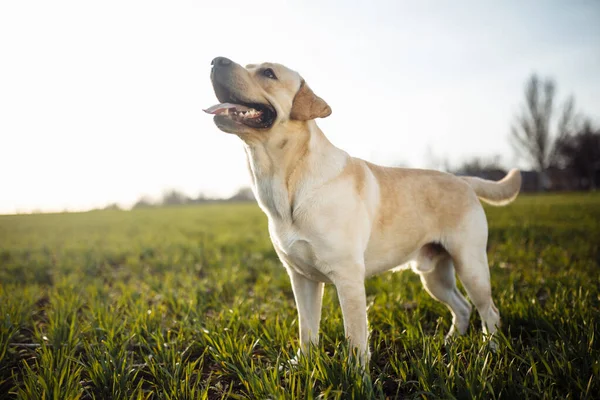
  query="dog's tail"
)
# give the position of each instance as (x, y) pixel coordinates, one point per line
(496, 193)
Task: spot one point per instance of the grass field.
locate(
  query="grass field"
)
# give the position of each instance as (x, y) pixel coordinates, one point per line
(191, 302)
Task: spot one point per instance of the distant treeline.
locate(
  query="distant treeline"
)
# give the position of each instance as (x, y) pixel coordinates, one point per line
(174, 198)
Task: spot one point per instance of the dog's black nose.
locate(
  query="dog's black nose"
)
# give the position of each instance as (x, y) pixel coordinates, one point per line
(220, 62)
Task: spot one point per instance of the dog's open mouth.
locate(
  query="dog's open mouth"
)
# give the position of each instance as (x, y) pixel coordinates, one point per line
(254, 115)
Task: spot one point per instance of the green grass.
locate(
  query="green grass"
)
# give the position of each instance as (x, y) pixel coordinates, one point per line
(191, 302)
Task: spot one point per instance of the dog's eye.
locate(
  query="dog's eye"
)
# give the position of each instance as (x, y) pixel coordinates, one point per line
(268, 72)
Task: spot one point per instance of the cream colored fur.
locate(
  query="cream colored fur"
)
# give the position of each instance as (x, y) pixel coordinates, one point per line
(338, 219)
(497, 193)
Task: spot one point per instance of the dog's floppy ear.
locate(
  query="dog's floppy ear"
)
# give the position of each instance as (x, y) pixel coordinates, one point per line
(308, 105)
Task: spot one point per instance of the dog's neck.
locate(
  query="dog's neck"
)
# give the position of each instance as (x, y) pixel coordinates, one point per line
(287, 163)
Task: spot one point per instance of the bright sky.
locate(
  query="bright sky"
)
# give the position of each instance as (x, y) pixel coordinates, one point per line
(101, 102)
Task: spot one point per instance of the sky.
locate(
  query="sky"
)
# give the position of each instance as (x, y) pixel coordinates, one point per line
(101, 102)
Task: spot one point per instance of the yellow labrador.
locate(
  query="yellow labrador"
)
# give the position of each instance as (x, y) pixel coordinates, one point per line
(339, 219)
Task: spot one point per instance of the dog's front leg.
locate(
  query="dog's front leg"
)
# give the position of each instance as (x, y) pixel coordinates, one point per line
(309, 296)
(351, 293)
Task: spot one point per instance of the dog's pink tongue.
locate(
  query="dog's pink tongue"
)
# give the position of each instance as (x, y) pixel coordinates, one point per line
(224, 107)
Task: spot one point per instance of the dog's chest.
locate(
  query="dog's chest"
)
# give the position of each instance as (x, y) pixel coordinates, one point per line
(269, 186)
(295, 250)
(293, 245)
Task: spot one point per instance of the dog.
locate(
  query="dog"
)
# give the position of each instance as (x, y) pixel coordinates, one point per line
(338, 219)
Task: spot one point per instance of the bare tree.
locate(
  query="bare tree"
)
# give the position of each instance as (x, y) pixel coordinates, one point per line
(532, 134)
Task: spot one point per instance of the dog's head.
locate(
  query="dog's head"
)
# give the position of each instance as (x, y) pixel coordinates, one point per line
(260, 98)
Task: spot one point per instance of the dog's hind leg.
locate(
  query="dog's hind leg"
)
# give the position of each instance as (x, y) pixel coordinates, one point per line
(473, 271)
(470, 260)
(440, 282)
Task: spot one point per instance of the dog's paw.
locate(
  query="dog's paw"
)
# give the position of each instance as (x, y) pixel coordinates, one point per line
(290, 364)
(492, 345)
(451, 338)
